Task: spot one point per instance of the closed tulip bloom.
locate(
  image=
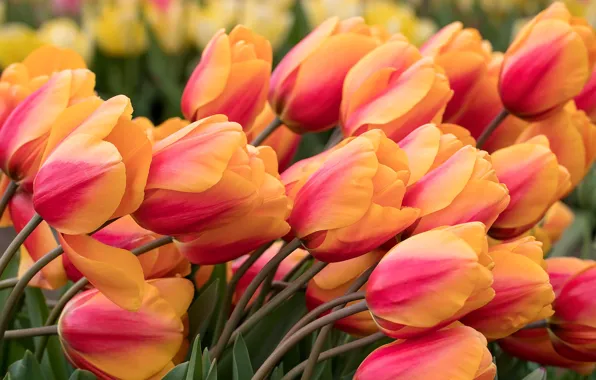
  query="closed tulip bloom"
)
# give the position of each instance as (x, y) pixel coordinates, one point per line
(283, 140)
(166, 19)
(306, 86)
(241, 235)
(523, 293)
(458, 353)
(586, 99)
(461, 53)
(535, 181)
(561, 269)
(124, 344)
(99, 138)
(201, 177)
(119, 29)
(451, 183)
(232, 78)
(393, 88)
(348, 201)
(572, 138)
(159, 132)
(556, 220)
(551, 47)
(334, 281)
(451, 270)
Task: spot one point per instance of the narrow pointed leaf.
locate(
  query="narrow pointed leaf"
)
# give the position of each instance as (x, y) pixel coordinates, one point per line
(195, 364)
(242, 367)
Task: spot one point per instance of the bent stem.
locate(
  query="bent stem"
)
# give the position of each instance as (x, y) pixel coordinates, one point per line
(336, 351)
(491, 127)
(320, 342)
(282, 349)
(248, 293)
(276, 123)
(33, 331)
(10, 191)
(541, 324)
(14, 246)
(8, 283)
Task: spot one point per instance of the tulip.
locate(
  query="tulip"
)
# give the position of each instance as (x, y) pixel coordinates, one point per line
(456, 353)
(306, 86)
(450, 183)
(549, 48)
(348, 201)
(206, 19)
(523, 293)
(72, 7)
(263, 224)
(271, 19)
(334, 281)
(535, 345)
(586, 99)
(393, 88)
(65, 32)
(283, 141)
(572, 138)
(561, 269)
(17, 41)
(159, 132)
(283, 269)
(119, 29)
(463, 56)
(232, 78)
(167, 23)
(535, 181)
(450, 268)
(556, 220)
(204, 177)
(99, 138)
(124, 344)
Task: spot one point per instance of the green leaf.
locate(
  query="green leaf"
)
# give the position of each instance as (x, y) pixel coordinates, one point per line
(212, 375)
(206, 363)
(195, 364)
(81, 374)
(242, 367)
(201, 310)
(277, 373)
(26, 369)
(177, 373)
(539, 374)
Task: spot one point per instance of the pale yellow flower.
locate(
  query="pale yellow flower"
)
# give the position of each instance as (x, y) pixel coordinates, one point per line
(204, 21)
(119, 29)
(16, 42)
(318, 11)
(272, 21)
(168, 24)
(399, 18)
(65, 33)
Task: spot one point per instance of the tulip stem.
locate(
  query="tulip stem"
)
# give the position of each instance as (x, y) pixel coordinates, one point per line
(282, 349)
(8, 283)
(335, 351)
(262, 296)
(541, 324)
(320, 342)
(492, 126)
(20, 286)
(276, 123)
(80, 285)
(33, 331)
(278, 300)
(14, 246)
(10, 191)
(229, 295)
(335, 138)
(236, 315)
(296, 268)
(314, 313)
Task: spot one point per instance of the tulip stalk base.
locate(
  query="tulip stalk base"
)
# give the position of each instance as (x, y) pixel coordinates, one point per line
(14, 246)
(494, 124)
(10, 191)
(276, 123)
(8, 283)
(34, 331)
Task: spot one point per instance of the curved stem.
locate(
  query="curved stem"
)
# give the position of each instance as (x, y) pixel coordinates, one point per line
(20, 286)
(541, 324)
(491, 127)
(262, 296)
(278, 300)
(335, 138)
(10, 191)
(8, 283)
(276, 123)
(250, 290)
(314, 313)
(335, 351)
(320, 342)
(229, 295)
(14, 246)
(296, 268)
(282, 349)
(33, 331)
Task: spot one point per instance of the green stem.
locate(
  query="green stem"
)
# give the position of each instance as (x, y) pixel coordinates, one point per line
(335, 138)
(11, 189)
(33, 331)
(296, 268)
(541, 324)
(265, 289)
(250, 290)
(276, 123)
(8, 283)
(283, 348)
(492, 126)
(336, 351)
(18, 241)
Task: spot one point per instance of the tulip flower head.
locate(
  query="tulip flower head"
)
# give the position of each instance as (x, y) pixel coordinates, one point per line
(556, 220)
(586, 99)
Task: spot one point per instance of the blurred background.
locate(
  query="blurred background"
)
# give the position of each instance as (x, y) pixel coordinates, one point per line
(146, 49)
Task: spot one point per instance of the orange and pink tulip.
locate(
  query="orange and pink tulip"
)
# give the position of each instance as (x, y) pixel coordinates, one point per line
(556, 220)
(586, 100)
(232, 78)
(455, 353)
(306, 86)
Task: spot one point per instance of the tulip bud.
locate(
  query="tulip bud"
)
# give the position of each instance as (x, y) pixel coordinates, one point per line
(232, 78)
(535, 181)
(455, 353)
(263, 224)
(124, 344)
(561, 269)
(586, 100)
(306, 86)
(394, 89)
(548, 64)
(66, 33)
(334, 281)
(99, 138)
(572, 138)
(556, 220)
(451, 270)
(523, 293)
(347, 201)
(166, 19)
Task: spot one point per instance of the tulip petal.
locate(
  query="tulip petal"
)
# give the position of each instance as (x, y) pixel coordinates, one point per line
(421, 147)
(50, 59)
(177, 291)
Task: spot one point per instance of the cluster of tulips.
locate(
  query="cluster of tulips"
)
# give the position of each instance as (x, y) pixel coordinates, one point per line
(426, 219)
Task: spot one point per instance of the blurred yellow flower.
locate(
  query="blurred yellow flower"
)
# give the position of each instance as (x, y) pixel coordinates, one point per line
(399, 18)
(119, 29)
(64, 32)
(318, 11)
(204, 21)
(16, 42)
(270, 19)
(167, 21)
